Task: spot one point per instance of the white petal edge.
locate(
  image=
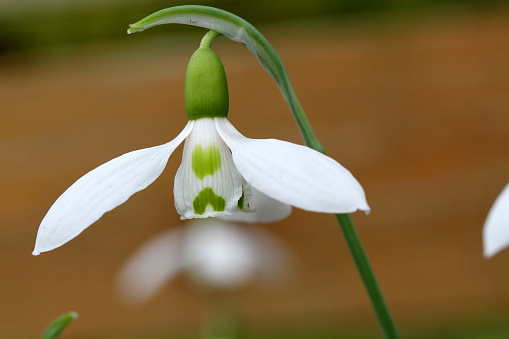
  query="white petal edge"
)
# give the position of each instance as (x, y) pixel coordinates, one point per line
(101, 190)
(496, 226)
(294, 174)
(150, 267)
(266, 210)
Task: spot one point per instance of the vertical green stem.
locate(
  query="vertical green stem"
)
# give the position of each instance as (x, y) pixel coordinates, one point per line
(348, 228)
(222, 320)
(367, 275)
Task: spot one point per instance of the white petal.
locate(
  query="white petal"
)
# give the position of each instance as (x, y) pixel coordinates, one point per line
(294, 174)
(150, 267)
(265, 210)
(207, 183)
(496, 227)
(101, 190)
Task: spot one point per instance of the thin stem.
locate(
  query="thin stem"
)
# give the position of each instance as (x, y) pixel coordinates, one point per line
(222, 320)
(207, 39)
(367, 275)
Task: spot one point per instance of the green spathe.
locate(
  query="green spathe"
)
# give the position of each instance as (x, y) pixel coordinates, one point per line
(206, 88)
(206, 161)
(208, 197)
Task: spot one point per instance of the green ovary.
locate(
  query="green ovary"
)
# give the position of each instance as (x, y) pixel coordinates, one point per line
(208, 197)
(206, 161)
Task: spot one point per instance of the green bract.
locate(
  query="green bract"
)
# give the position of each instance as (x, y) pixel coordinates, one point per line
(206, 88)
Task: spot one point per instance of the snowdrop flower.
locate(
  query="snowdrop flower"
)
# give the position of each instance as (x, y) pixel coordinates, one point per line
(496, 227)
(212, 253)
(221, 170)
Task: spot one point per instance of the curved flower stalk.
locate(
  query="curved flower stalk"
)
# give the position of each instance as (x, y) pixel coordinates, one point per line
(496, 227)
(214, 254)
(221, 170)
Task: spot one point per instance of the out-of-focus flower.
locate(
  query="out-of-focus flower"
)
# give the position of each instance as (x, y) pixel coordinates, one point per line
(212, 253)
(496, 227)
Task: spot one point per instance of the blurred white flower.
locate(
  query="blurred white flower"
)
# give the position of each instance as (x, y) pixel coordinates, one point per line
(212, 253)
(496, 227)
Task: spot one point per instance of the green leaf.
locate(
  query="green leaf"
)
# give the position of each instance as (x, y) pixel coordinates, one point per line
(241, 31)
(54, 329)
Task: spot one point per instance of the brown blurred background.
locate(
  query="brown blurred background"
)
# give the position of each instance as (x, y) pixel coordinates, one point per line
(411, 96)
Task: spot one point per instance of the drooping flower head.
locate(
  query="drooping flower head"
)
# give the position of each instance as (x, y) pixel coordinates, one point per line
(223, 173)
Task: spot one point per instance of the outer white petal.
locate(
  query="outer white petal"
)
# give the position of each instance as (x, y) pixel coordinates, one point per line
(150, 267)
(101, 190)
(496, 227)
(294, 174)
(265, 209)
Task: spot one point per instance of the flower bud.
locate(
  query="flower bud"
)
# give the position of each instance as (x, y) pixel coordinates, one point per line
(206, 88)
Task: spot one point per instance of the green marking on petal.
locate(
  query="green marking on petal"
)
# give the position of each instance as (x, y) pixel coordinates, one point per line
(241, 201)
(206, 161)
(208, 197)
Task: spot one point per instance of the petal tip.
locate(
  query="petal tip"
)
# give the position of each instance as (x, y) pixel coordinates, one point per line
(490, 248)
(489, 252)
(492, 245)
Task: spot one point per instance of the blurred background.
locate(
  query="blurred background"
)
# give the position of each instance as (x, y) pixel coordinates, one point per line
(412, 96)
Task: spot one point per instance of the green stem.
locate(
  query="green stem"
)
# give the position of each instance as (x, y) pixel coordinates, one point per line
(222, 320)
(207, 39)
(367, 275)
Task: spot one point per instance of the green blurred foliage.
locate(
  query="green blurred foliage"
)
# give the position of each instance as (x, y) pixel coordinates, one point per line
(32, 28)
(58, 325)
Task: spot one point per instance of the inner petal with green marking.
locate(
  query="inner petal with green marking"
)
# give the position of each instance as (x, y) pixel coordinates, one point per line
(208, 183)
(206, 161)
(207, 197)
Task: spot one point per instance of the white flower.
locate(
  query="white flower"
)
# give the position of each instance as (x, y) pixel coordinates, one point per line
(496, 227)
(221, 170)
(213, 254)
(230, 168)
